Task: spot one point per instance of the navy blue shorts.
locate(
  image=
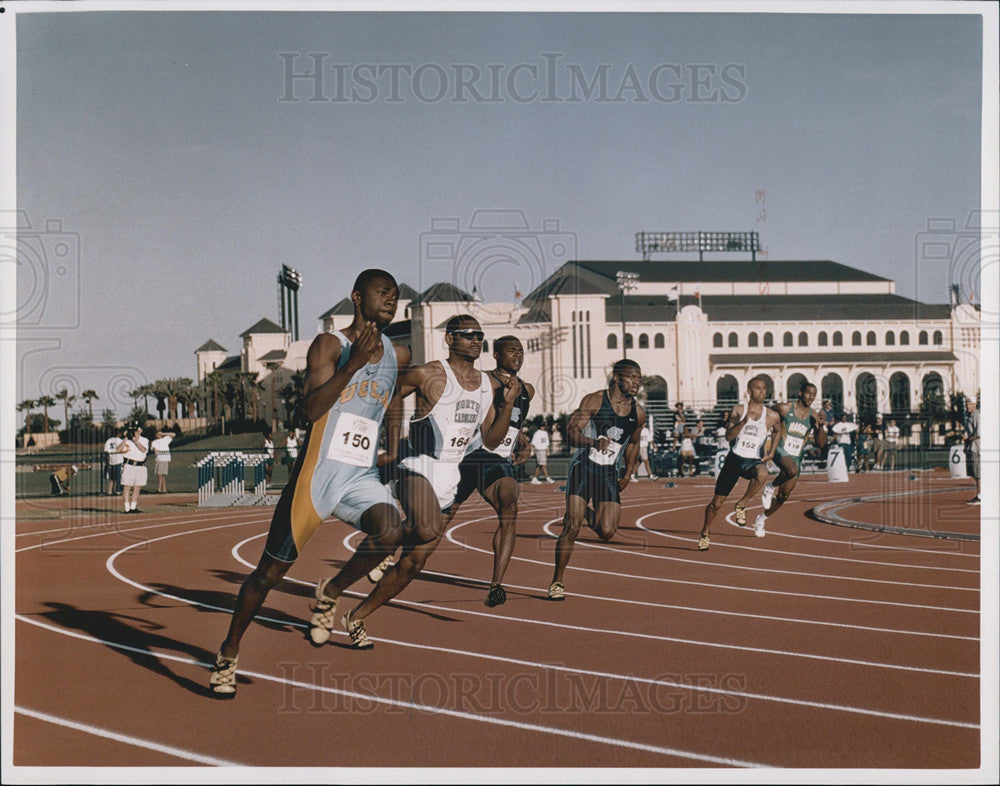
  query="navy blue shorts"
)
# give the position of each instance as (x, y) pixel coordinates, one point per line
(480, 470)
(593, 482)
(734, 468)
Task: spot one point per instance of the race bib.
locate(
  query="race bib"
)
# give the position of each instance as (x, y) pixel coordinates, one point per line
(355, 440)
(606, 456)
(456, 441)
(505, 448)
(792, 446)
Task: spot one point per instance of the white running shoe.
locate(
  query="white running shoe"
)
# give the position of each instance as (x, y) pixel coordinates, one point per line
(376, 573)
(549, 480)
(324, 609)
(536, 482)
(758, 525)
(766, 496)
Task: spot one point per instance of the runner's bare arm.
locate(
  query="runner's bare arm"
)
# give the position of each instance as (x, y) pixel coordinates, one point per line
(499, 420)
(324, 380)
(589, 405)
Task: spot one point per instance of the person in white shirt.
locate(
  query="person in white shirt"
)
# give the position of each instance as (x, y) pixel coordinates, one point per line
(134, 473)
(291, 451)
(540, 444)
(161, 451)
(891, 444)
(114, 461)
(268, 446)
(844, 430)
(645, 437)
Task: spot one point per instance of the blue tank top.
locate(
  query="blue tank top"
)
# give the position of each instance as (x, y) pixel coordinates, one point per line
(351, 426)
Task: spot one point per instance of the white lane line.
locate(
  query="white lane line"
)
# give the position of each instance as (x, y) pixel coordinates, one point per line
(600, 547)
(652, 604)
(124, 533)
(128, 739)
(428, 708)
(733, 587)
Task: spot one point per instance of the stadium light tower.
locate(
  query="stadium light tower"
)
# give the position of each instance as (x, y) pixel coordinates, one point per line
(289, 281)
(627, 282)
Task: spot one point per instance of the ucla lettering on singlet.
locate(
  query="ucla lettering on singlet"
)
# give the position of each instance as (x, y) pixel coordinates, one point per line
(367, 388)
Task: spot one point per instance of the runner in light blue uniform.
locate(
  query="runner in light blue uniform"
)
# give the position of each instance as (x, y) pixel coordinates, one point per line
(350, 378)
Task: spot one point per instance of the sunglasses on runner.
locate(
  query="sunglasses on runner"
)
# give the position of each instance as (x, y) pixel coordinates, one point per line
(468, 334)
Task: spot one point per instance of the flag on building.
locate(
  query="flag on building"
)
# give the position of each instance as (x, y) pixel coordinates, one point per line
(673, 295)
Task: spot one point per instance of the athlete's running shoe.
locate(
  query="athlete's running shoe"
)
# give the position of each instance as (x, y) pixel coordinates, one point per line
(703, 543)
(356, 629)
(741, 515)
(222, 683)
(758, 525)
(766, 495)
(497, 596)
(324, 613)
(973, 501)
(557, 591)
(375, 574)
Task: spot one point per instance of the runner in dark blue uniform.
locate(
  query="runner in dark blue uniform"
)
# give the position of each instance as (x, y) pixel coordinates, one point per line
(493, 472)
(606, 427)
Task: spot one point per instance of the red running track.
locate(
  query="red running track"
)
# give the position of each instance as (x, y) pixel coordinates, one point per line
(816, 646)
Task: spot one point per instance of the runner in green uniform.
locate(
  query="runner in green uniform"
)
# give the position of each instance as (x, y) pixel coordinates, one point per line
(798, 419)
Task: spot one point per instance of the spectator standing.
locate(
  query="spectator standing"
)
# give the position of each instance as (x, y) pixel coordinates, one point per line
(844, 430)
(540, 444)
(161, 453)
(268, 446)
(134, 474)
(645, 437)
(971, 426)
(891, 444)
(113, 461)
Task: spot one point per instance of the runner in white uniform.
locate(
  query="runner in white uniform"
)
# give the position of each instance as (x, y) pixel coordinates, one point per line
(747, 432)
(454, 402)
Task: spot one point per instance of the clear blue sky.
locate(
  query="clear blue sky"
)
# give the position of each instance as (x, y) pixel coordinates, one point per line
(161, 143)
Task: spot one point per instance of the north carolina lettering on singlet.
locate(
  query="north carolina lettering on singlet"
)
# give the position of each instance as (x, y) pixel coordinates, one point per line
(608, 423)
(445, 432)
(351, 430)
(749, 443)
(518, 414)
(797, 430)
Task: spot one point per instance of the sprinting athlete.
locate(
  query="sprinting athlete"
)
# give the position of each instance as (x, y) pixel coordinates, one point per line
(454, 403)
(350, 377)
(493, 472)
(747, 432)
(798, 420)
(606, 426)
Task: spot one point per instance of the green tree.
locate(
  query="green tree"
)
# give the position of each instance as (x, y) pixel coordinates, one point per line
(66, 398)
(26, 406)
(45, 402)
(90, 396)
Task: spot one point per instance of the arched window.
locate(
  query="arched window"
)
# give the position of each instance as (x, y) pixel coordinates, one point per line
(628, 341)
(787, 339)
(904, 338)
(486, 347)
(822, 338)
(870, 338)
(612, 341)
(792, 386)
(838, 338)
(768, 340)
(658, 341)
(922, 338)
(643, 341)
(856, 338)
(938, 338)
(717, 340)
(803, 339)
(752, 340)
(734, 340)
(727, 390)
(890, 339)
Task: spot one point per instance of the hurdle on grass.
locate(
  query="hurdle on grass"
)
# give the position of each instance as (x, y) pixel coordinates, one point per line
(222, 479)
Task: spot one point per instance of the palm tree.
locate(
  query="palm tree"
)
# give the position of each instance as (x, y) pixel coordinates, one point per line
(146, 391)
(161, 391)
(176, 388)
(90, 396)
(26, 406)
(66, 398)
(45, 402)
